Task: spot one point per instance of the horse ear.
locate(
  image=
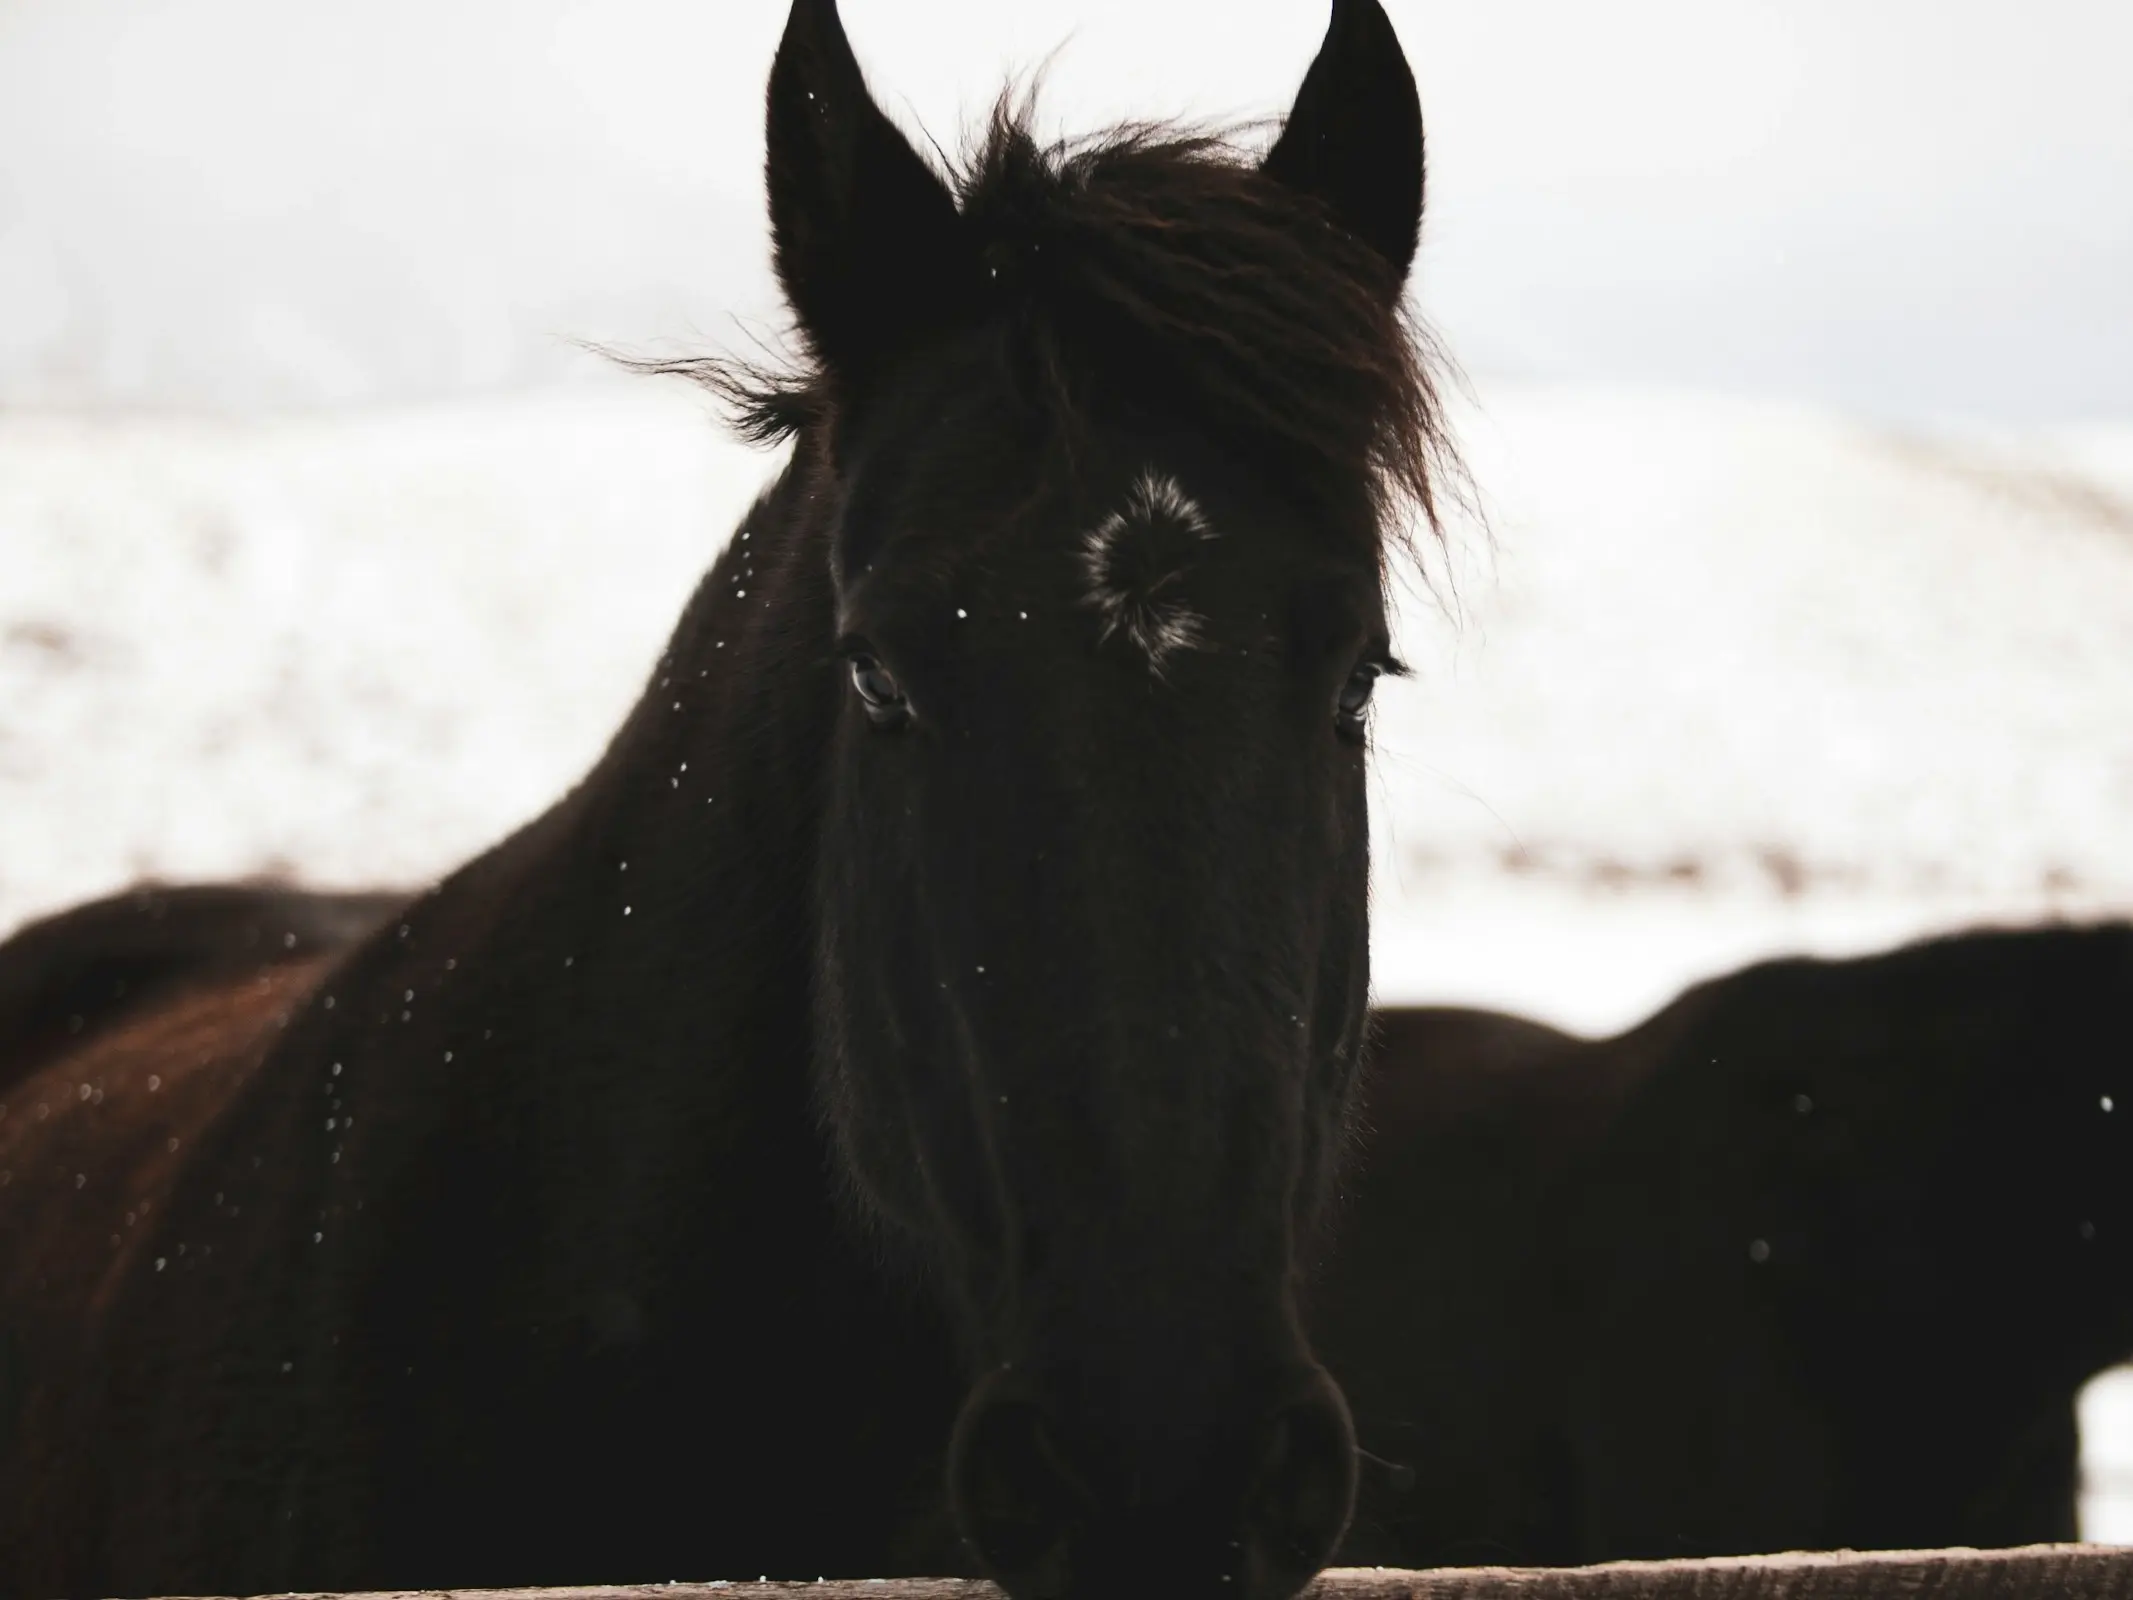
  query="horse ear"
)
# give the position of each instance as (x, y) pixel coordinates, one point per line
(1354, 137)
(866, 238)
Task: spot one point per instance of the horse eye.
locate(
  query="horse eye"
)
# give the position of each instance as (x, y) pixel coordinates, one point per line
(1355, 695)
(878, 688)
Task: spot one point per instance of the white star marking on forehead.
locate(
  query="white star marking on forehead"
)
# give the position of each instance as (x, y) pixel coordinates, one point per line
(1137, 558)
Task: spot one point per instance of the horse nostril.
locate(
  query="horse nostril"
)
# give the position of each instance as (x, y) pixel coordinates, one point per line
(1018, 1497)
(1300, 1500)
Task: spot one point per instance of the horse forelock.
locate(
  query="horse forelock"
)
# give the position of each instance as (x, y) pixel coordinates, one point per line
(1157, 261)
(1154, 273)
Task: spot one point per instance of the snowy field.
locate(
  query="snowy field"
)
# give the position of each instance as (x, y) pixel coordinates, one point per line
(1733, 679)
(1719, 680)
(353, 649)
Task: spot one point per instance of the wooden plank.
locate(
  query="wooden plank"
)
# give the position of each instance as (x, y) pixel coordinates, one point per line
(2040, 1572)
(2076, 1572)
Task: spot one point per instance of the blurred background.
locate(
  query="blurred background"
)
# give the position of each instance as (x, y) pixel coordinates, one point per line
(1797, 612)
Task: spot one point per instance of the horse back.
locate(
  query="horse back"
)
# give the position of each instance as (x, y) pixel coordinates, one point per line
(1853, 1248)
(68, 977)
(94, 1142)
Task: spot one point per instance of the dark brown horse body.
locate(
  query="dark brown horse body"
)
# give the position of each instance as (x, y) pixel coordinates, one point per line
(1817, 1257)
(876, 1123)
(201, 1266)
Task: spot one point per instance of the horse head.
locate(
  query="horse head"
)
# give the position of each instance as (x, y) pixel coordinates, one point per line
(1104, 444)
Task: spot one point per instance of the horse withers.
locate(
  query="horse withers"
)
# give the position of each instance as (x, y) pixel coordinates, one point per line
(878, 1122)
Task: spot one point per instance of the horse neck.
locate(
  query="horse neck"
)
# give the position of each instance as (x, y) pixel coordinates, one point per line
(609, 1010)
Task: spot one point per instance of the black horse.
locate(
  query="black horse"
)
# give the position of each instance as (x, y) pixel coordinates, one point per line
(879, 1121)
(1817, 1257)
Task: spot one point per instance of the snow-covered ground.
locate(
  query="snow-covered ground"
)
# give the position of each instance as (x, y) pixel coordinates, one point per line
(1717, 680)
(1734, 679)
(353, 649)
(1720, 679)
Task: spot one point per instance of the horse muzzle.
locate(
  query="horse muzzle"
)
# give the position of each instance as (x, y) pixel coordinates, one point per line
(1240, 1511)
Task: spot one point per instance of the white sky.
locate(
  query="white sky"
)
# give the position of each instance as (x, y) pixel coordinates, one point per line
(1899, 208)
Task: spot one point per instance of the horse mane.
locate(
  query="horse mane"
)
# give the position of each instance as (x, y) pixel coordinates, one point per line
(1155, 266)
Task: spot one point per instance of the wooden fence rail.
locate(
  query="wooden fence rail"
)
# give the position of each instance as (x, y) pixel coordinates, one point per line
(2046, 1572)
